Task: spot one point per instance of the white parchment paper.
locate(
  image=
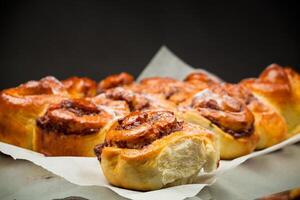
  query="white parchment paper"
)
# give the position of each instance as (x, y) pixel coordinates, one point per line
(86, 171)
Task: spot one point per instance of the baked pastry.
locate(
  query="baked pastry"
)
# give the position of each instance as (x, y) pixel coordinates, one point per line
(269, 124)
(138, 101)
(152, 149)
(115, 80)
(201, 80)
(214, 109)
(20, 106)
(168, 88)
(279, 87)
(71, 128)
(117, 108)
(80, 87)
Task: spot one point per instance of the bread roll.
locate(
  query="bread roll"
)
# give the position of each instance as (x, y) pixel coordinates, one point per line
(269, 124)
(73, 128)
(80, 87)
(168, 88)
(151, 150)
(279, 88)
(20, 106)
(214, 109)
(137, 100)
(116, 80)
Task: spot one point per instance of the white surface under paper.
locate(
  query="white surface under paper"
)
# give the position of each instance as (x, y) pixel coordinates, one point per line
(86, 171)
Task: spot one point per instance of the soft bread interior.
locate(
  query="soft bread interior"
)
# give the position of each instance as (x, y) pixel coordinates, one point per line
(172, 160)
(180, 163)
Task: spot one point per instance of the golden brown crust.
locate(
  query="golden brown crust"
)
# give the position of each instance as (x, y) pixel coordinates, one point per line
(20, 106)
(79, 117)
(80, 87)
(273, 82)
(134, 100)
(115, 80)
(170, 89)
(118, 108)
(228, 113)
(137, 100)
(46, 86)
(230, 147)
(168, 159)
(294, 79)
(215, 109)
(269, 125)
(279, 88)
(201, 80)
(142, 128)
(71, 128)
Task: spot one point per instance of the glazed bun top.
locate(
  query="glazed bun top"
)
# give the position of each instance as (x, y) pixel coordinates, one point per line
(142, 128)
(170, 89)
(273, 82)
(228, 113)
(139, 129)
(74, 117)
(201, 80)
(46, 86)
(80, 87)
(115, 80)
(35, 94)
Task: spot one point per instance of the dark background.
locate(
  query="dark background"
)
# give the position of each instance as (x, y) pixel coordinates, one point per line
(95, 38)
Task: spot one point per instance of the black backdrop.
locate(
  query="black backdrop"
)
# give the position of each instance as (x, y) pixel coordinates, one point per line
(95, 38)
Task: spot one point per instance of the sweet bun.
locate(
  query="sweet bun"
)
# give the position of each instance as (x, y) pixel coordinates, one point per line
(137, 100)
(115, 80)
(214, 109)
(279, 87)
(168, 88)
(117, 108)
(71, 128)
(150, 150)
(20, 106)
(80, 87)
(269, 124)
(201, 80)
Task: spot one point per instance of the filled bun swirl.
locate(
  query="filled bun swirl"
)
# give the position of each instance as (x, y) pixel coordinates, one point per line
(279, 88)
(20, 106)
(115, 80)
(74, 117)
(80, 87)
(142, 128)
(201, 80)
(72, 128)
(170, 89)
(273, 81)
(149, 150)
(228, 113)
